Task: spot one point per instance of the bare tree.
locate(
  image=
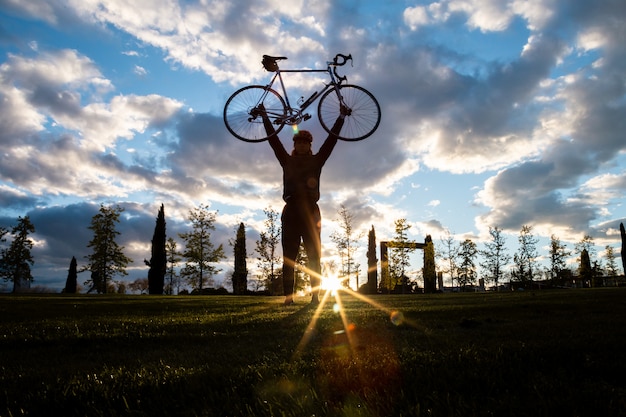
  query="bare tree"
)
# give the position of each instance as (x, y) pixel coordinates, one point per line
(173, 258)
(495, 256)
(347, 245)
(267, 248)
(526, 256)
(449, 254)
(140, 284)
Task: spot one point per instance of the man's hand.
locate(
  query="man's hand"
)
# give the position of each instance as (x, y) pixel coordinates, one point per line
(269, 129)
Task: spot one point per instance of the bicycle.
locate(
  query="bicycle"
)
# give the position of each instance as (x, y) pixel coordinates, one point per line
(242, 114)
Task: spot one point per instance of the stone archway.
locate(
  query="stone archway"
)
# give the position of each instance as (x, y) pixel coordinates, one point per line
(429, 284)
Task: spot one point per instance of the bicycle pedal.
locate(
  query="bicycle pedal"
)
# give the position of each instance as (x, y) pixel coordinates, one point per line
(306, 117)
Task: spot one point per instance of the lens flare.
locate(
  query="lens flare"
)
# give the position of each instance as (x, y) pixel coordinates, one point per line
(397, 317)
(331, 283)
(295, 128)
(332, 291)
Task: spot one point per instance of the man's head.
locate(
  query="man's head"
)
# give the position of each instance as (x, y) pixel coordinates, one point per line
(302, 143)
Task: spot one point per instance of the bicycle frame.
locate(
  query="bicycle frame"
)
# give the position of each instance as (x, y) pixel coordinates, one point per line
(337, 99)
(295, 116)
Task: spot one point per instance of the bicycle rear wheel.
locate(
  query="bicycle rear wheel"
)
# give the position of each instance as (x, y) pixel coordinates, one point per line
(363, 111)
(240, 116)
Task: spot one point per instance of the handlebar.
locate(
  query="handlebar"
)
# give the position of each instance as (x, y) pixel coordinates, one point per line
(336, 63)
(345, 59)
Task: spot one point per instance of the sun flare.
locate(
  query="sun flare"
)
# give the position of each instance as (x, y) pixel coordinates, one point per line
(331, 283)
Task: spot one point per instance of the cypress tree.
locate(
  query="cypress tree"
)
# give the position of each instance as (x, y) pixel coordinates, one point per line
(372, 263)
(430, 274)
(623, 251)
(70, 283)
(158, 260)
(585, 271)
(240, 274)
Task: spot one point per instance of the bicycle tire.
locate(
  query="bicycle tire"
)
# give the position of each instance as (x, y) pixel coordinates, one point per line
(238, 117)
(364, 116)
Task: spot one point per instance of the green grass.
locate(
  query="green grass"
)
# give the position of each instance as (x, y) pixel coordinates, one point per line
(541, 353)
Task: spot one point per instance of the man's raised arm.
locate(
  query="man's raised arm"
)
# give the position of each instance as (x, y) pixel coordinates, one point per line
(331, 140)
(275, 143)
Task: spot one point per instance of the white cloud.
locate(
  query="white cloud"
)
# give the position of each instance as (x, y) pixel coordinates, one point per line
(590, 39)
(141, 71)
(415, 17)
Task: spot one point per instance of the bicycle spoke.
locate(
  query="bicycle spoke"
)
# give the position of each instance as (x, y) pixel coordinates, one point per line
(362, 112)
(244, 121)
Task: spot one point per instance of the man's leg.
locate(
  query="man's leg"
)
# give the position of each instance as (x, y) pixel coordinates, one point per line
(313, 246)
(291, 244)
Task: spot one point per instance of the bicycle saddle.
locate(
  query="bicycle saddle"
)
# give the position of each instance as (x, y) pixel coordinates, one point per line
(274, 58)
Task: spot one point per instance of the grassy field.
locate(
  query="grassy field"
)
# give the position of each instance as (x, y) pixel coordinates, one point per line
(543, 353)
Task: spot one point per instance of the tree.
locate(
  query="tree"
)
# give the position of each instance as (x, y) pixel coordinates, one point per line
(495, 257)
(199, 251)
(158, 260)
(3, 232)
(526, 256)
(611, 265)
(173, 258)
(586, 243)
(558, 256)
(372, 263)
(430, 273)
(267, 248)
(467, 268)
(140, 284)
(399, 259)
(240, 272)
(346, 245)
(107, 259)
(449, 255)
(585, 271)
(72, 277)
(301, 271)
(15, 262)
(622, 232)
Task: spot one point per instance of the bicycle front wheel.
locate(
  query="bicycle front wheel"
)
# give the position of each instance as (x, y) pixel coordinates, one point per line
(241, 115)
(361, 109)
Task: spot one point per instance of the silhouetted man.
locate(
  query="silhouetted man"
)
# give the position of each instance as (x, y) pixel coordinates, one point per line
(301, 218)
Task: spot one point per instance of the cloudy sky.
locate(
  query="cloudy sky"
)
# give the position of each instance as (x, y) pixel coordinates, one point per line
(495, 113)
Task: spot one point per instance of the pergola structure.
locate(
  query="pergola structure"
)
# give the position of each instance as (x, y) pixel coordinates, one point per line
(384, 257)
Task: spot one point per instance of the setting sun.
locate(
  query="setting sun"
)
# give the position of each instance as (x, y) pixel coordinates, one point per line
(331, 283)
